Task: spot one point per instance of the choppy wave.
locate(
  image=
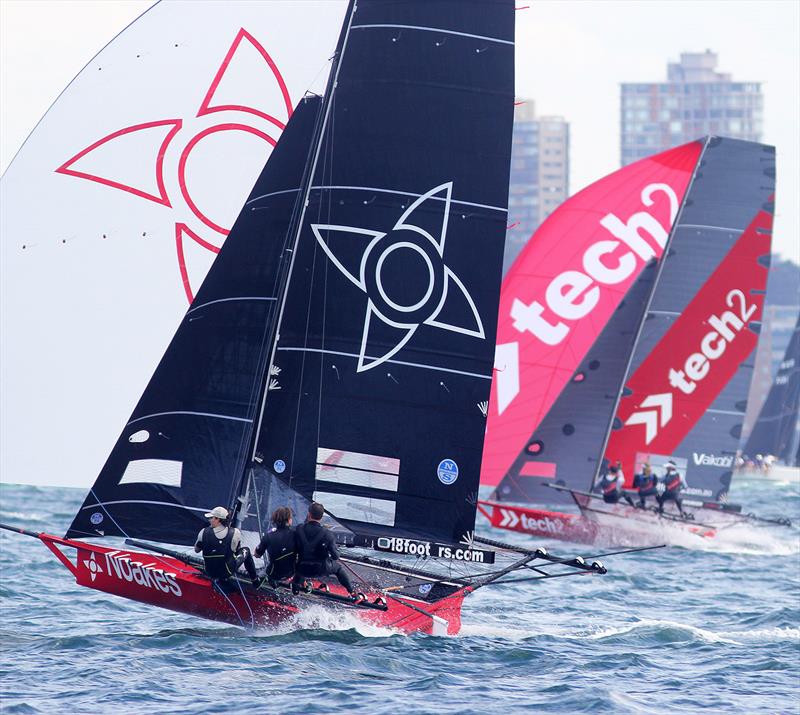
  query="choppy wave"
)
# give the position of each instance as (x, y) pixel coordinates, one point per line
(707, 625)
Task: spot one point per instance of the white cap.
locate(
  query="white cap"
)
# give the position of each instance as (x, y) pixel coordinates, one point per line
(218, 511)
(672, 464)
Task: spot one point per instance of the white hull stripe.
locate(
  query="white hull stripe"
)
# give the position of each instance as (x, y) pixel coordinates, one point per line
(409, 194)
(396, 362)
(226, 300)
(196, 414)
(363, 509)
(435, 29)
(142, 501)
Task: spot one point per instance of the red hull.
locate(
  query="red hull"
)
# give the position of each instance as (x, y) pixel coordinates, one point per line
(539, 522)
(168, 583)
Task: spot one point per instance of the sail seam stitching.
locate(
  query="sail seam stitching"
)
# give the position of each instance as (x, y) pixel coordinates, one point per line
(396, 362)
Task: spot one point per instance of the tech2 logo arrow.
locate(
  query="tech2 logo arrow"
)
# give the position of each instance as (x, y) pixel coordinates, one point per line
(685, 372)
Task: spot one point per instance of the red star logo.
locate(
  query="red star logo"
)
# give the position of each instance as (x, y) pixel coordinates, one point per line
(165, 152)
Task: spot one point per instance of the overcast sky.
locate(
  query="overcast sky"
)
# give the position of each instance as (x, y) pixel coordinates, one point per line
(571, 57)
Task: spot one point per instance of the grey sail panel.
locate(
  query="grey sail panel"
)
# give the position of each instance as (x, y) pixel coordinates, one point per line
(566, 447)
(777, 429)
(687, 389)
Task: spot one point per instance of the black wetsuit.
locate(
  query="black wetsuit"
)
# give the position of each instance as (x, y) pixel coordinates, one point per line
(279, 545)
(317, 554)
(646, 483)
(220, 561)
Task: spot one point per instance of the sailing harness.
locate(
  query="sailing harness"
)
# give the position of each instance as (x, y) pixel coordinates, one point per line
(218, 556)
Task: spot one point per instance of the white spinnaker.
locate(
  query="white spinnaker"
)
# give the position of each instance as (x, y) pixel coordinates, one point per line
(96, 272)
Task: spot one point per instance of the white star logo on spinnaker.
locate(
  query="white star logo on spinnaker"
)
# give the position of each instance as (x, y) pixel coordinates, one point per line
(419, 289)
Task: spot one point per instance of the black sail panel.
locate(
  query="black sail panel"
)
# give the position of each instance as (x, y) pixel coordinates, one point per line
(777, 429)
(387, 338)
(566, 447)
(187, 442)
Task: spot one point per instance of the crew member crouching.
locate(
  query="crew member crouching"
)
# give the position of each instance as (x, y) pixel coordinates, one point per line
(222, 549)
(278, 544)
(612, 486)
(317, 554)
(674, 483)
(646, 483)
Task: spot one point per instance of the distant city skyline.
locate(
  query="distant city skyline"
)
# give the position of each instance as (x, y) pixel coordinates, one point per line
(695, 99)
(572, 57)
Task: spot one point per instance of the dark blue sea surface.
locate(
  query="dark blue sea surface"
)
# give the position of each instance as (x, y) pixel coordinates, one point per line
(704, 626)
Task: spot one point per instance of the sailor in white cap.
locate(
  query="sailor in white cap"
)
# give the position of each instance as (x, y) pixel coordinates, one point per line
(222, 548)
(674, 484)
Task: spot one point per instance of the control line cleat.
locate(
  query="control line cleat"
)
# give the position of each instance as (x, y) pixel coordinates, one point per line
(358, 598)
(379, 601)
(322, 586)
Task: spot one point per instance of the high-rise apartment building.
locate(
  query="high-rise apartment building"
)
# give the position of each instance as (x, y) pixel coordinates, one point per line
(696, 100)
(539, 174)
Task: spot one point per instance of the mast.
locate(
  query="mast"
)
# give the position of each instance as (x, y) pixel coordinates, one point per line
(306, 190)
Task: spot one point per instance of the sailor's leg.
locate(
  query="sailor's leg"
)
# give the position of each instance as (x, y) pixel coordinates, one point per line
(335, 568)
(245, 558)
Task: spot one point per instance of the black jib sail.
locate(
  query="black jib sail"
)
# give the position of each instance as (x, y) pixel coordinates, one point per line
(565, 448)
(188, 439)
(777, 429)
(384, 361)
(354, 362)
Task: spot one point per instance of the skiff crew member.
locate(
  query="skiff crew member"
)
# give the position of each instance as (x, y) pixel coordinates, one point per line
(316, 552)
(646, 483)
(674, 483)
(222, 548)
(612, 485)
(278, 544)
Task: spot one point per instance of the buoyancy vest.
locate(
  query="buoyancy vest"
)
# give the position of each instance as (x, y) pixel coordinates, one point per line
(218, 555)
(282, 557)
(672, 482)
(646, 481)
(313, 551)
(609, 485)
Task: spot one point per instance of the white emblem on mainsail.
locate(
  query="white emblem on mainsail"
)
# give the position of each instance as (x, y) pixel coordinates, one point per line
(393, 313)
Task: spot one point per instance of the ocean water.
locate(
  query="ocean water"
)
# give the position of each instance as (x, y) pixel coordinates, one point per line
(704, 626)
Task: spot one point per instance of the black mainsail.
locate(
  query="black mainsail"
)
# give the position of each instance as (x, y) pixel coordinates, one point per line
(344, 338)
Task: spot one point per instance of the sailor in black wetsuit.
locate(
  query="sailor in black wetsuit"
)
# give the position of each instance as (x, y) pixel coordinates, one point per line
(612, 486)
(646, 483)
(674, 482)
(316, 552)
(279, 545)
(222, 549)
